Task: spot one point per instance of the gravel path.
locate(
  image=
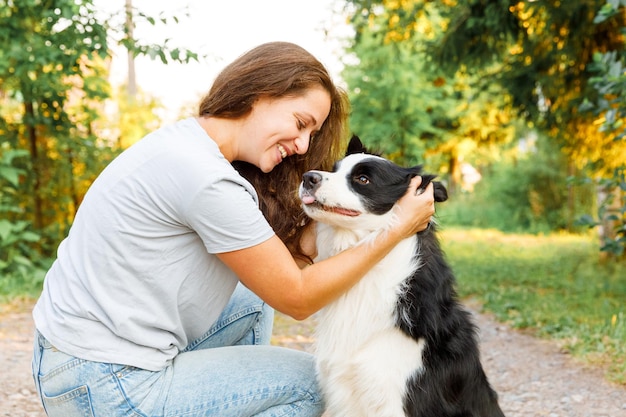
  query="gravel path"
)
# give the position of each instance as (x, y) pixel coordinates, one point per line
(532, 377)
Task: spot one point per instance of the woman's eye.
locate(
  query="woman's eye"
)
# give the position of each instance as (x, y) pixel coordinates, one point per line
(301, 125)
(362, 179)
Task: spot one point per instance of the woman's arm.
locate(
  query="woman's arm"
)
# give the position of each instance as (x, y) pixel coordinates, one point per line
(269, 270)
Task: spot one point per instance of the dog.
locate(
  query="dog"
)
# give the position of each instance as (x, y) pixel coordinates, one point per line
(398, 343)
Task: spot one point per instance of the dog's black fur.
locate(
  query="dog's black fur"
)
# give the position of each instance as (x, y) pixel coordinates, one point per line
(454, 383)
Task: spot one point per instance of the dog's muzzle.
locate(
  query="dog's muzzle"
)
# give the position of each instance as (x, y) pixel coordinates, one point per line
(311, 181)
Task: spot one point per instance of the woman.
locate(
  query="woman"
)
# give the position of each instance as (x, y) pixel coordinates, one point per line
(141, 313)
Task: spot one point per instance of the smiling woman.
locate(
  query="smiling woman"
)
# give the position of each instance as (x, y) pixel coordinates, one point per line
(295, 86)
(152, 250)
(170, 257)
(142, 312)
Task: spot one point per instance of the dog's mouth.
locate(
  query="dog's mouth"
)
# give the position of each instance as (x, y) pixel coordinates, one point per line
(311, 201)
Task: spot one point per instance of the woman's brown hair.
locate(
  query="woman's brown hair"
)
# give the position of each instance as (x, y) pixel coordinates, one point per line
(274, 70)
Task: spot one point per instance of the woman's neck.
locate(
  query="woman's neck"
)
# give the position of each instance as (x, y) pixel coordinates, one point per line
(222, 132)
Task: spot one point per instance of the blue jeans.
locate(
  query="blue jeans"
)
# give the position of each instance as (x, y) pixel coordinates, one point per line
(231, 371)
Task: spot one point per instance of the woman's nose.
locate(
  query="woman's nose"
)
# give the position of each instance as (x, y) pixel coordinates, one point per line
(301, 144)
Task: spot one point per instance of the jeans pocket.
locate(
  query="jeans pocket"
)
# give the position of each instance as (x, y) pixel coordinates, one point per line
(143, 391)
(73, 403)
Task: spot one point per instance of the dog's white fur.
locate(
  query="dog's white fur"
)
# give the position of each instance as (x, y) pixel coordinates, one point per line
(349, 353)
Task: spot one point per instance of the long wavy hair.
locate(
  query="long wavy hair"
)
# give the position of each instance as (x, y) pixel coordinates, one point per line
(274, 70)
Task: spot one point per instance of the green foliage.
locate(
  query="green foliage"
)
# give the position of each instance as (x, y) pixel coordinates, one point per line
(481, 32)
(21, 268)
(608, 102)
(526, 193)
(609, 82)
(403, 104)
(554, 285)
(394, 110)
(542, 53)
(136, 116)
(609, 10)
(53, 84)
(611, 213)
(476, 66)
(120, 30)
(541, 49)
(52, 70)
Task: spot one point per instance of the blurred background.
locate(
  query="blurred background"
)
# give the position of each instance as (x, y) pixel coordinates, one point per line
(519, 106)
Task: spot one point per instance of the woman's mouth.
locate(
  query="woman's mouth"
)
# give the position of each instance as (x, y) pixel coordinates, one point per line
(282, 150)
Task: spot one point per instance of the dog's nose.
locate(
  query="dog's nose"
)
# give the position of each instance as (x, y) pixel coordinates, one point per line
(311, 180)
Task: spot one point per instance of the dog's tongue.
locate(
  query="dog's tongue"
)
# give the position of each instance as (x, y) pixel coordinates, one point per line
(308, 199)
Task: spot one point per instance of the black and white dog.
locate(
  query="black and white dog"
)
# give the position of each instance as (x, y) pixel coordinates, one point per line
(398, 343)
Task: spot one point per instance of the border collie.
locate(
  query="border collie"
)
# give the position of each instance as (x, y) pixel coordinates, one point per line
(398, 343)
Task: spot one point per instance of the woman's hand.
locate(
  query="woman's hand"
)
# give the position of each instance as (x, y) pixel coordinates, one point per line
(308, 245)
(414, 211)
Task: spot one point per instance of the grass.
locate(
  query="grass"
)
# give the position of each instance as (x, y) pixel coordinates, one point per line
(555, 285)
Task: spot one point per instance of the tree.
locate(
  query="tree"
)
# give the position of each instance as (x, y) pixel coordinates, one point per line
(402, 100)
(387, 109)
(539, 54)
(547, 61)
(53, 84)
(62, 63)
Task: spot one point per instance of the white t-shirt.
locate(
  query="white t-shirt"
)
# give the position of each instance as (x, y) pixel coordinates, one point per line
(136, 280)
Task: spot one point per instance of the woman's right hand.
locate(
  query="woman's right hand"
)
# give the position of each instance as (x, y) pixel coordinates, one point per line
(414, 211)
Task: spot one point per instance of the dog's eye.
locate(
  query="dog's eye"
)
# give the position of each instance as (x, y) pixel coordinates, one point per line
(362, 179)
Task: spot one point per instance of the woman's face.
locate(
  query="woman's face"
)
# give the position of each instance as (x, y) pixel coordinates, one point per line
(279, 128)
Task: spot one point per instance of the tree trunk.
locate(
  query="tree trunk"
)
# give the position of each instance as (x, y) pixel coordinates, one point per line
(609, 200)
(132, 80)
(454, 173)
(31, 132)
(571, 201)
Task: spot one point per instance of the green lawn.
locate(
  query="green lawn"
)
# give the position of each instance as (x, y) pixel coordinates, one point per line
(555, 285)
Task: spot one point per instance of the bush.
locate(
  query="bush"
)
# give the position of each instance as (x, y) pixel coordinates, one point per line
(530, 194)
(21, 266)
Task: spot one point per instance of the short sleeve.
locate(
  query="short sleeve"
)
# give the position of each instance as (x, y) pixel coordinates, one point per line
(226, 216)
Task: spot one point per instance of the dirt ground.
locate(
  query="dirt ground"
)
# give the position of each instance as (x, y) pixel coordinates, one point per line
(533, 377)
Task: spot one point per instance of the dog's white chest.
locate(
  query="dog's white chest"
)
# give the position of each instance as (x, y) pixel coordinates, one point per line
(361, 354)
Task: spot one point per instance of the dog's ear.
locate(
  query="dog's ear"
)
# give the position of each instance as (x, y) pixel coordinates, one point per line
(426, 179)
(441, 193)
(414, 171)
(439, 190)
(355, 146)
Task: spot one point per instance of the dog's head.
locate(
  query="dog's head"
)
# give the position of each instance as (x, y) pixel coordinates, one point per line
(361, 189)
